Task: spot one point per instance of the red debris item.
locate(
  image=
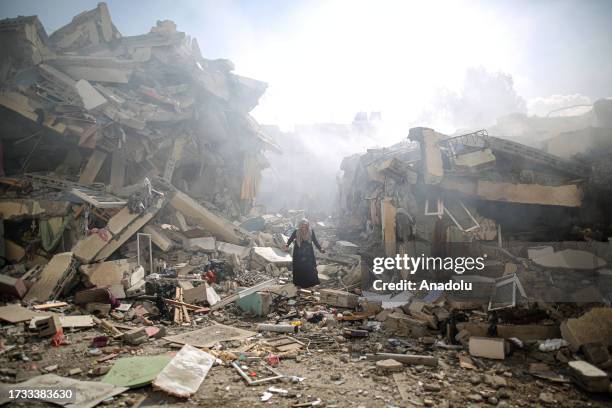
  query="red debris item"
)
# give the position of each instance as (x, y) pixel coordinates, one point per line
(102, 232)
(58, 339)
(273, 359)
(253, 374)
(100, 341)
(152, 331)
(210, 277)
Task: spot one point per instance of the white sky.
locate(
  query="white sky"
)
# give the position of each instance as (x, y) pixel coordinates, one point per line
(340, 57)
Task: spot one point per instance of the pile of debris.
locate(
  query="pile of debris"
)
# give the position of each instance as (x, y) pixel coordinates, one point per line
(105, 111)
(540, 222)
(134, 259)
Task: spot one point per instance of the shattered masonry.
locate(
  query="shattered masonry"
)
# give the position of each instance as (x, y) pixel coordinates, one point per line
(136, 259)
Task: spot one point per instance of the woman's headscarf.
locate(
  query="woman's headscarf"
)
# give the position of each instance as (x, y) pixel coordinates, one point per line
(303, 235)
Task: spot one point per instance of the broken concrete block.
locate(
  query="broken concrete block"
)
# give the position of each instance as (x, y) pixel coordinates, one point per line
(346, 247)
(269, 255)
(389, 366)
(179, 221)
(48, 326)
(230, 249)
(216, 225)
(403, 325)
(135, 336)
(13, 287)
(19, 104)
(570, 259)
(566, 195)
(88, 28)
(27, 208)
(204, 244)
(595, 326)
(595, 353)
(488, 347)
(339, 298)
(55, 278)
(107, 273)
(406, 359)
(418, 310)
(201, 293)
(536, 252)
(158, 237)
(589, 377)
(119, 228)
(472, 160)
(89, 95)
(258, 303)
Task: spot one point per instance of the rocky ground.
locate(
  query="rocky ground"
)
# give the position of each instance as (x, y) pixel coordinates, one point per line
(337, 374)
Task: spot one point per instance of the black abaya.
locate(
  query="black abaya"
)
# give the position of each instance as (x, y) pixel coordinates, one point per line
(304, 261)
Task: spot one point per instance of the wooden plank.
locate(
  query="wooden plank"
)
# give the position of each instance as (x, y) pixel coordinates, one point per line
(174, 302)
(50, 305)
(177, 311)
(184, 311)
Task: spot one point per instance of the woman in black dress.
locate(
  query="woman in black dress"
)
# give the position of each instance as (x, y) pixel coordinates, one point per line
(304, 261)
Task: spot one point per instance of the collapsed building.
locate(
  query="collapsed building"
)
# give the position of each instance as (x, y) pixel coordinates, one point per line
(541, 220)
(129, 171)
(94, 107)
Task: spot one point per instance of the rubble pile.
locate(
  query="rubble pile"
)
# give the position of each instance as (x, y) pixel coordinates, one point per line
(90, 106)
(539, 222)
(136, 269)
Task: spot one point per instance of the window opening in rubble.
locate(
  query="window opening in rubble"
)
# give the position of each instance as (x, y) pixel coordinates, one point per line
(505, 292)
(438, 209)
(464, 215)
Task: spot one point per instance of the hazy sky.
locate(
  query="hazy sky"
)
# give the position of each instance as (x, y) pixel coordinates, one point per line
(326, 60)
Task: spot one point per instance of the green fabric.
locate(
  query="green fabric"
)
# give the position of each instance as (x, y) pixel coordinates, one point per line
(51, 236)
(135, 372)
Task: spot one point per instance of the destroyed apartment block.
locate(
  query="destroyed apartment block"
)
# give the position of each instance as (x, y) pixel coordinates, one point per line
(476, 195)
(136, 257)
